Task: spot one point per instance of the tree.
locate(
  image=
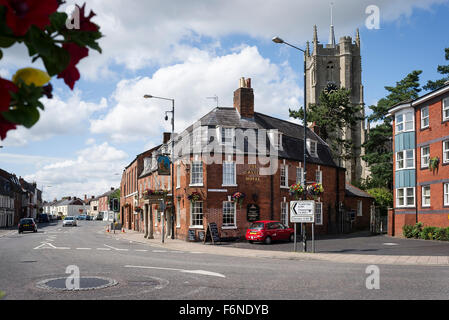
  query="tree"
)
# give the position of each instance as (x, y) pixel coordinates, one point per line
(378, 144)
(444, 70)
(51, 36)
(333, 114)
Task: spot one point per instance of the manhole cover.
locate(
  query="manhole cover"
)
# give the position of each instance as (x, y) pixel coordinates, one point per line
(85, 283)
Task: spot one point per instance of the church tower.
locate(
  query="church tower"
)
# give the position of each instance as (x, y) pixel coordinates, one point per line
(340, 64)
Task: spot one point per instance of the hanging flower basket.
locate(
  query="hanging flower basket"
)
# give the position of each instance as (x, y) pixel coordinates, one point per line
(194, 196)
(434, 163)
(315, 190)
(238, 197)
(297, 191)
(138, 209)
(150, 194)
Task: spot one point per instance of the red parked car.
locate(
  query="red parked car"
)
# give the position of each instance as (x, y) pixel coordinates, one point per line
(268, 231)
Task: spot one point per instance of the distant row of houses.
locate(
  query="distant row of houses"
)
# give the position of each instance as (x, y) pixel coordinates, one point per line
(97, 207)
(18, 199)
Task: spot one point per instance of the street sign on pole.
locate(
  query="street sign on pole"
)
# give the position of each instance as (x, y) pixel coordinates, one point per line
(302, 211)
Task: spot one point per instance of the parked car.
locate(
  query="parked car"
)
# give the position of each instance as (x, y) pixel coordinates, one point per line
(88, 217)
(267, 231)
(81, 217)
(43, 217)
(69, 221)
(27, 224)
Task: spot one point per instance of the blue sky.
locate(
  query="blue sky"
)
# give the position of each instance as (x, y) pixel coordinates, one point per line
(192, 51)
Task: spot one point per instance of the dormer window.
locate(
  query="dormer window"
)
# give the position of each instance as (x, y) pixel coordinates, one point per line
(312, 147)
(227, 136)
(276, 139)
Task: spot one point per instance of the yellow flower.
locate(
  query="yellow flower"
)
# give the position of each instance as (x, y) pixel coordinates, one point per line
(31, 76)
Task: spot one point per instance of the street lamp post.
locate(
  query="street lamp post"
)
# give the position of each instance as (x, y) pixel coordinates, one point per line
(280, 41)
(147, 96)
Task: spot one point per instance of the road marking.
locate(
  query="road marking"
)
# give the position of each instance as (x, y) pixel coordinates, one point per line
(49, 246)
(391, 244)
(83, 248)
(201, 272)
(104, 249)
(116, 248)
(141, 250)
(159, 250)
(195, 252)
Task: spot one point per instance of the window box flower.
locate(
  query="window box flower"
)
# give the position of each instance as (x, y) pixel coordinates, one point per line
(194, 196)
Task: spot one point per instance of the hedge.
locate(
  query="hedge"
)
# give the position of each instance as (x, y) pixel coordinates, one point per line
(427, 233)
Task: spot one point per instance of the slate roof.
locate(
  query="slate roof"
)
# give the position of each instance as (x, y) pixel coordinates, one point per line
(352, 191)
(292, 139)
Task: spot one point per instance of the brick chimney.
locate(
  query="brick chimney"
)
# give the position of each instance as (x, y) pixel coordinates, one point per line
(244, 99)
(166, 137)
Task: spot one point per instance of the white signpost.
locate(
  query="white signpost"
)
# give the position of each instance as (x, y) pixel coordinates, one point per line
(303, 212)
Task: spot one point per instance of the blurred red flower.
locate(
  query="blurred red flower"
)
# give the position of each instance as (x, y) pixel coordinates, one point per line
(85, 23)
(5, 98)
(71, 73)
(5, 126)
(21, 14)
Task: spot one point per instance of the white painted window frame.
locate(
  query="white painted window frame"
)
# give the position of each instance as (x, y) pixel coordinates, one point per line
(226, 165)
(423, 118)
(193, 205)
(446, 151)
(233, 215)
(425, 196)
(425, 164)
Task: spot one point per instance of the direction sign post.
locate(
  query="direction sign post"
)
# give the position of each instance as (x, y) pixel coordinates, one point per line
(302, 212)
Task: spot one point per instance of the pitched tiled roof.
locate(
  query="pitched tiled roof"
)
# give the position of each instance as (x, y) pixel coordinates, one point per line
(292, 133)
(352, 191)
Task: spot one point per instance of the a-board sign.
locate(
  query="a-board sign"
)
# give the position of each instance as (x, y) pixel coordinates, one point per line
(192, 236)
(201, 235)
(252, 212)
(302, 211)
(212, 233)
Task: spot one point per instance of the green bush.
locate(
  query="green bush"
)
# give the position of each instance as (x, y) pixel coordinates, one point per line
(417, 228)
(428, 233)
(441, 234)
(407, 231)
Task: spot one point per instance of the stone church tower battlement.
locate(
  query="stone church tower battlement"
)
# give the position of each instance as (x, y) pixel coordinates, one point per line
(341, 64)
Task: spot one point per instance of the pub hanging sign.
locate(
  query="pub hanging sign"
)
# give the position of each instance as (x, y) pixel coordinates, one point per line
(252, 213)
(163, 166)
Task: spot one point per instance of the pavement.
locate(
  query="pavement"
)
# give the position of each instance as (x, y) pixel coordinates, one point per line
(233, 249)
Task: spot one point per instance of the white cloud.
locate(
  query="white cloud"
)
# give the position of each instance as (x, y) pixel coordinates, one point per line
(93, 171)
(59, 117)
(190, 83)
(153, 32)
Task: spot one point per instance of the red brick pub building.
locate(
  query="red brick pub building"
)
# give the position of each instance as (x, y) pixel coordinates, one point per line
(233, 150)
(421, 162)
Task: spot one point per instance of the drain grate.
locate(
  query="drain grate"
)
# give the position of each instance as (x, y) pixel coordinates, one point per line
(85, 283)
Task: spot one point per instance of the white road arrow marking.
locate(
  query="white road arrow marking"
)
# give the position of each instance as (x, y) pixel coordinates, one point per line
(202, 272)
(50, 246)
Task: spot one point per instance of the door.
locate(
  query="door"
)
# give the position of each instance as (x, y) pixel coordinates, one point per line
(273, 231)
(284, 234)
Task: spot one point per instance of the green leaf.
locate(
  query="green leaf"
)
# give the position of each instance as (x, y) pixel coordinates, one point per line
(26, 116)
(6, 42)
(57, 61)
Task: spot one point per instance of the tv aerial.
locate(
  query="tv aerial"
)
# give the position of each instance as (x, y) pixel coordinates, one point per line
(215, 98)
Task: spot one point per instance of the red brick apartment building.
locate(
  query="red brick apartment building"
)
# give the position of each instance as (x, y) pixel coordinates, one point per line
(224, 152)
(421, 161)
